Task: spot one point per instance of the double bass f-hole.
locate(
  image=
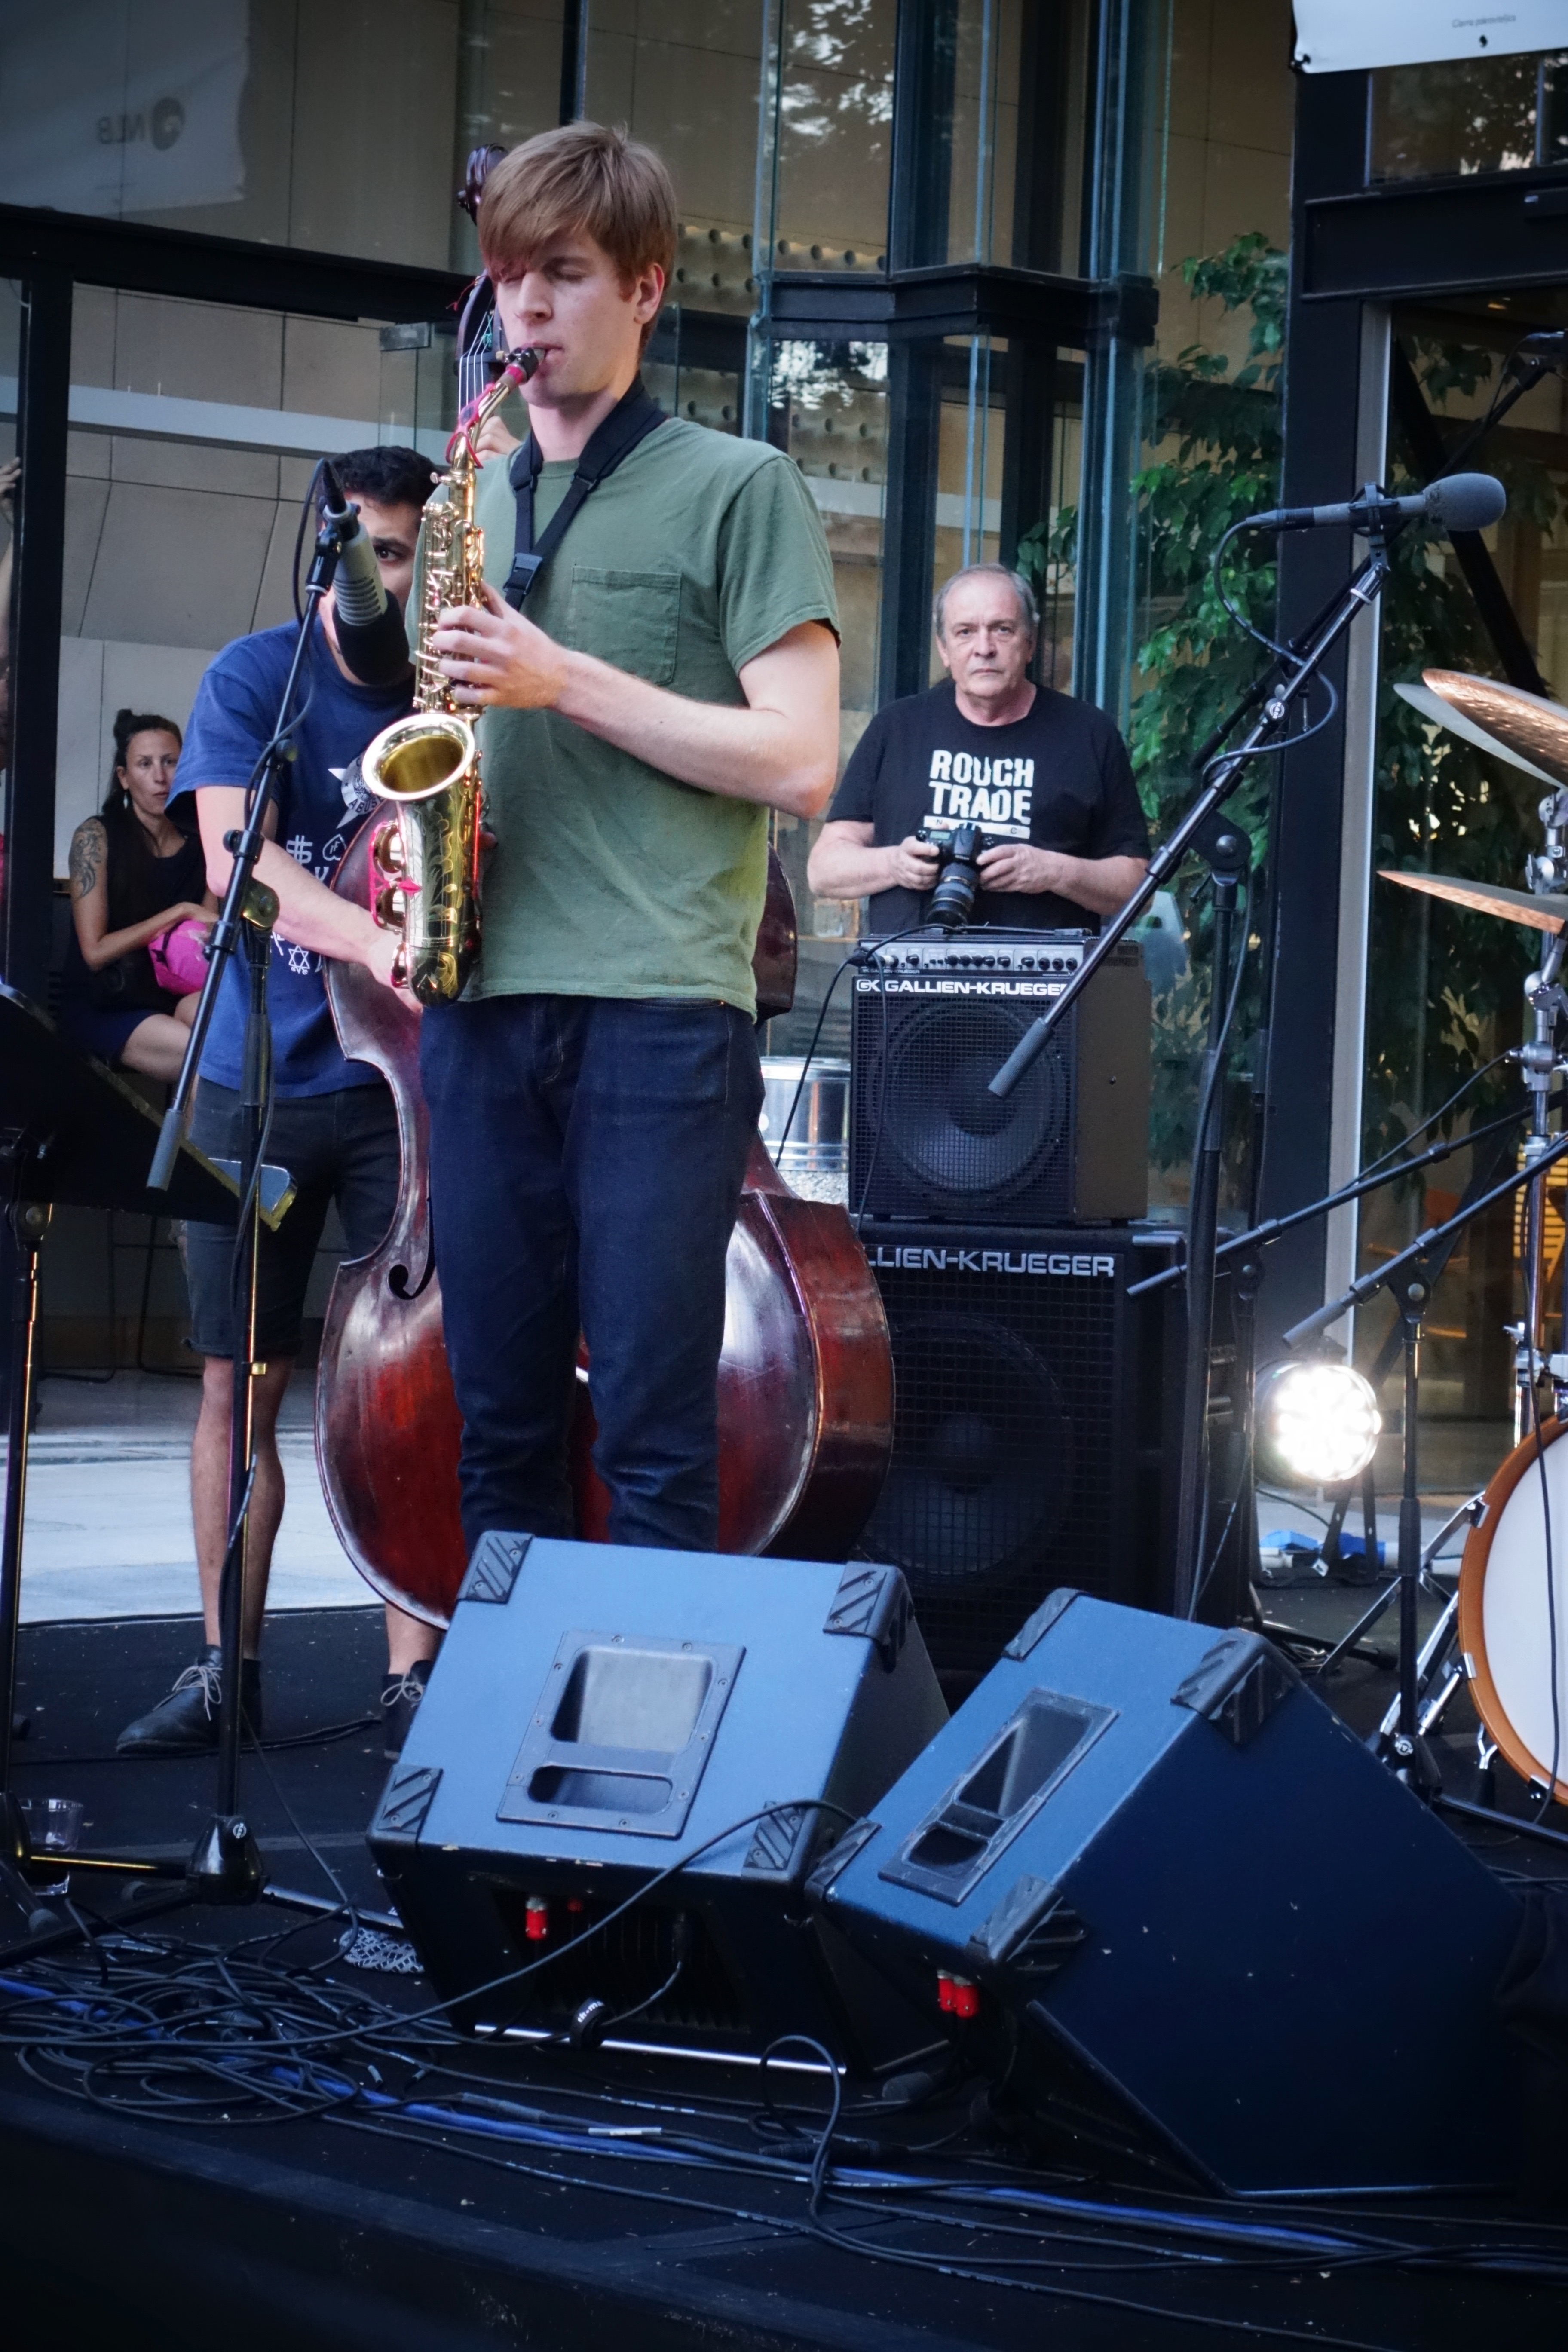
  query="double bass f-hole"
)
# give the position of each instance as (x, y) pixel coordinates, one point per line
(397, 1280)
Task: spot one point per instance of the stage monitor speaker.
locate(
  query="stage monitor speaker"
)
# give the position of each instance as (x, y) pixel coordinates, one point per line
(934, 1019)
(1199, 1916)
(600, 1718)
(1038, 1427)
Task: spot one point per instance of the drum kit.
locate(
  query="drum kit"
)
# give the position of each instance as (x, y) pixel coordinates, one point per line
(1506, 1627)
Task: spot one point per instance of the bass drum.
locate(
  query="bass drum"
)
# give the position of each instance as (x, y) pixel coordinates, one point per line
(1509, 1611)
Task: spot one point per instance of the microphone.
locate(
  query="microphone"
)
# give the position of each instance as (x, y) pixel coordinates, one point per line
(1549, 344)
(368, 623)
(1456, 502)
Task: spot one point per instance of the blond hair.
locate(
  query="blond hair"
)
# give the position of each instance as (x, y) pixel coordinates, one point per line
(582, 178)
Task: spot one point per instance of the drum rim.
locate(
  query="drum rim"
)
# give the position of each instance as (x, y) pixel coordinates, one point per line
(1495, 1497)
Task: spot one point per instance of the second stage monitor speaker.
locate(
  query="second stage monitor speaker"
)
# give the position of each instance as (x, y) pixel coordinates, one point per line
(1194, 1918)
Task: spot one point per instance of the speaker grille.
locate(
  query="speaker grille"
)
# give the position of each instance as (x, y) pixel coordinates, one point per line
(1016, 1463)
(926, 1126)
(942, 1129)
(985, 1456)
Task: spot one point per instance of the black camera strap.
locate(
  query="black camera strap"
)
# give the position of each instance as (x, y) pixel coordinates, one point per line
(632, 419)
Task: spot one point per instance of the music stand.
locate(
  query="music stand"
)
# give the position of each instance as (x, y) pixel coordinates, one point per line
(72, 1133)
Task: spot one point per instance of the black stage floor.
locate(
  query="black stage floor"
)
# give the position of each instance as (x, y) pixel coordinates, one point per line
(537, 2218)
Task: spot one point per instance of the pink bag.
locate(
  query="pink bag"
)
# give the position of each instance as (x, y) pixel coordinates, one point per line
(178, 963)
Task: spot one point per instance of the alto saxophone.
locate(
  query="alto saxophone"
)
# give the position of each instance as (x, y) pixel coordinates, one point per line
(427, 766)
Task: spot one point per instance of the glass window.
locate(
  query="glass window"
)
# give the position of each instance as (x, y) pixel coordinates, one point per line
(342, 129)
(1492, 114)
(1444, 993)
(828, 409)
(970, 447)
(194, 432)
(829, 148)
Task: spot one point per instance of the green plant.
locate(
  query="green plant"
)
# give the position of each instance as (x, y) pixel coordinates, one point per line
(1215, 439)
(1444, 985)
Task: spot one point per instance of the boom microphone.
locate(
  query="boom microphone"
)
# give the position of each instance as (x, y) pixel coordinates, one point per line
(368, 624)
(1456, 502)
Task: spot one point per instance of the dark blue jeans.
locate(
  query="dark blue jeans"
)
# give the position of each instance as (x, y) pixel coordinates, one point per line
(587, 1155)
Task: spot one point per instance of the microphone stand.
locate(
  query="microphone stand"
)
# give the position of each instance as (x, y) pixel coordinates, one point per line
(1279, 691)
(224, 1865)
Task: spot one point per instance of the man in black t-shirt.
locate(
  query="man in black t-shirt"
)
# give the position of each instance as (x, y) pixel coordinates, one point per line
(1049, 775)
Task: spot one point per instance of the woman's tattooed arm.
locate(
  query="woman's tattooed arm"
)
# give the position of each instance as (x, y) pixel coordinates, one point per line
(89, 849)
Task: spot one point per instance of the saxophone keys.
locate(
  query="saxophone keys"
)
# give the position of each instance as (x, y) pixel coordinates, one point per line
(387, 849)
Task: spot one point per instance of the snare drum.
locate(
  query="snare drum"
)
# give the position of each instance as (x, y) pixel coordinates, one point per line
(1505, 1619)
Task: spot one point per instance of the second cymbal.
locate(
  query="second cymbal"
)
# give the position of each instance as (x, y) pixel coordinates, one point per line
(1539, 913)
(1525, 723)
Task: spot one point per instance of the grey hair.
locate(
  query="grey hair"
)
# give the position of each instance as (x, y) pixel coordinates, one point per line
(1016, 580)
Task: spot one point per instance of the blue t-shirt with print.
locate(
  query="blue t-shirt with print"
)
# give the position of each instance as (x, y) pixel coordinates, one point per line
(317, 815)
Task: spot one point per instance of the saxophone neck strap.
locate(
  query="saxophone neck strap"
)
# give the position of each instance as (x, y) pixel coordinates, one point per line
(635, 415)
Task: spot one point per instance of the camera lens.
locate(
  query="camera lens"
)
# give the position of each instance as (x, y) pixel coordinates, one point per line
(958, 885)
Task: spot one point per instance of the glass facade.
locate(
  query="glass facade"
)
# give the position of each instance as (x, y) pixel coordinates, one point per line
(952, 194)
(1445, 998)
(1487, 114)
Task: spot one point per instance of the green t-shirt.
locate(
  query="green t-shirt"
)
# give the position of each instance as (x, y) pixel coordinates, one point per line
(609, 878)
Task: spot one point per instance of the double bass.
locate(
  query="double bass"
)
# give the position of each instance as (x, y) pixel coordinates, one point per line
(805, 1380)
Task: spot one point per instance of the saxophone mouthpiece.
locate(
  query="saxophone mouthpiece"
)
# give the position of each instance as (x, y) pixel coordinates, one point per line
(520, 366)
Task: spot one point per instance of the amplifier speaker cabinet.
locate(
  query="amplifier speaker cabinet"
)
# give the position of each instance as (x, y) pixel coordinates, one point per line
(1191, 1915)
(1038, 1429)
(603, 1720)
(934, 1019)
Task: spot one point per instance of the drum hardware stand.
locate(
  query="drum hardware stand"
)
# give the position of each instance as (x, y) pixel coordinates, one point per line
(225, 1865)
(1408, 1279)
(1347, 1644)
(1249, 1247)
(1545, 873)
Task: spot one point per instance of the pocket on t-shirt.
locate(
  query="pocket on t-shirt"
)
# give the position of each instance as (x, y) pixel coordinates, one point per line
(629, 618)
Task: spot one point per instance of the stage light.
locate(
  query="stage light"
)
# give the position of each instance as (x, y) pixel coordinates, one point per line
(1316, 1424)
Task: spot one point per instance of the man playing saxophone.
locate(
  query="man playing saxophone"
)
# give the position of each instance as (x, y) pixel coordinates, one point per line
(334, 1125)
(662, 669)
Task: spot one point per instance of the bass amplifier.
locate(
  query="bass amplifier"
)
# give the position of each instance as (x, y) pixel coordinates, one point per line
(1037, 1429)
(933, 1021)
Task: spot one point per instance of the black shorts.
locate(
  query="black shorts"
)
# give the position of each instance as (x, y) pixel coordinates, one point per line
(340, 1147)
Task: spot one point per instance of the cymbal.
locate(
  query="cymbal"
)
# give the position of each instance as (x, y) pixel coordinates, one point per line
(1544, 913)
(1524, 723)
(1439, 713)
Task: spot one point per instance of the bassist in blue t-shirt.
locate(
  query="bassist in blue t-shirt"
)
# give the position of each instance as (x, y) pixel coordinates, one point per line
(334, 1124)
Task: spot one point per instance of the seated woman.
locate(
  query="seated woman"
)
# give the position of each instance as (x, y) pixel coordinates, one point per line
(135, 878)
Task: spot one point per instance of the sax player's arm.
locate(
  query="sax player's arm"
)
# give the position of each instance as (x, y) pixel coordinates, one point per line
(308, 912)
(782, 749)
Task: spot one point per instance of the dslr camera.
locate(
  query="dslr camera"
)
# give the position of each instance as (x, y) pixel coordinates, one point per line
(959, 850)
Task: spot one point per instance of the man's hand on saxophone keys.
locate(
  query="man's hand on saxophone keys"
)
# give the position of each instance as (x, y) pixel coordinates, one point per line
(492, 655)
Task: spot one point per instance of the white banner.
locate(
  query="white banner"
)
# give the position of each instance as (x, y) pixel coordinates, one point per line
(1349, 36)
(121, 106)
